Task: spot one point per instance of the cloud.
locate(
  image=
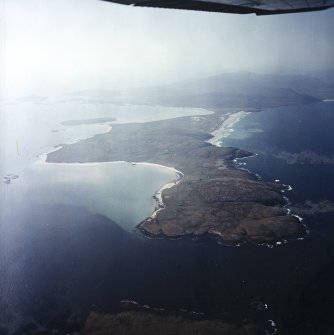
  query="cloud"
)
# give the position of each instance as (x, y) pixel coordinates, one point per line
(311, 208)
(78, 44)
(304, 157)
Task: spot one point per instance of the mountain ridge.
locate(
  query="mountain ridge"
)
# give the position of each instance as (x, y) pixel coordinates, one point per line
(243, 90)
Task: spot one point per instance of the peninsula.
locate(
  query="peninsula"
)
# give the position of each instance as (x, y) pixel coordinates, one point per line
(213, 199)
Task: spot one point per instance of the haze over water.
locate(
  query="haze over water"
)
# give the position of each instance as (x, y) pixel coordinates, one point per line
(121, 191)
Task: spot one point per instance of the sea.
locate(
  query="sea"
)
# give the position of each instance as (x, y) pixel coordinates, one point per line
(69, 243)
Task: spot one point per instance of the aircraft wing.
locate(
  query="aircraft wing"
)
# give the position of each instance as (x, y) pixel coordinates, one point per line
(258, 7)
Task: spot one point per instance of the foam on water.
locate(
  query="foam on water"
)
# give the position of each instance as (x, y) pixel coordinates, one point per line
(226, 128)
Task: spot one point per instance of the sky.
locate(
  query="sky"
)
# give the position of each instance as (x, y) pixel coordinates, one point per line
(61, 46)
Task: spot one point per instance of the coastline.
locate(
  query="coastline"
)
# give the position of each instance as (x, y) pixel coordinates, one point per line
(157, 196)
(229, 122)
(159, 204)
(225, 128)
(42, 157)
(221, 131)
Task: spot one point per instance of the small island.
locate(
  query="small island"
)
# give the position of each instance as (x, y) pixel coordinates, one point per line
(213, 198)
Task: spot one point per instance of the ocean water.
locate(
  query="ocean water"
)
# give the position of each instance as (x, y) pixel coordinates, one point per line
(293, 144)
(119, 191)
(63, 259)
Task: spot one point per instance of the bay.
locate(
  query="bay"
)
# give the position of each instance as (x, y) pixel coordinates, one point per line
(119, 190)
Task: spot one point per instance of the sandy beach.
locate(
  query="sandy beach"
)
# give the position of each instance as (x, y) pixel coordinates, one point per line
(226, 127)
(158, 196)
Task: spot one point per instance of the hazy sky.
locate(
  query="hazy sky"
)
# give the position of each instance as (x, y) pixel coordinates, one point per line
(52, 46)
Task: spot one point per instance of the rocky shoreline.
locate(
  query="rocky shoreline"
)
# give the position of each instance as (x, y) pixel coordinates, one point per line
(233, 208)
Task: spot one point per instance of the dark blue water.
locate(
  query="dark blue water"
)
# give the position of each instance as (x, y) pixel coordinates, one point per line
(294, 144)
(70, 261)
(66, 261)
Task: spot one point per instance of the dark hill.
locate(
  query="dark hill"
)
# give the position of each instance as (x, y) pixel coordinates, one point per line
(240, 90)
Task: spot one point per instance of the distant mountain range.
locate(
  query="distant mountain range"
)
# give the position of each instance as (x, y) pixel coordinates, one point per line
(242, 90)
